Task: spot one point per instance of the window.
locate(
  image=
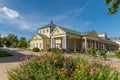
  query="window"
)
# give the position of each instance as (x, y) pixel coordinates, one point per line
(36, 44)
(47, 30)
(43, 31)
(51, 30)
(39, 31)
(40, 45)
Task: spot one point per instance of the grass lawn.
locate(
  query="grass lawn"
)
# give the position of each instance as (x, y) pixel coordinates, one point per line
(4, 53)
(111, 56)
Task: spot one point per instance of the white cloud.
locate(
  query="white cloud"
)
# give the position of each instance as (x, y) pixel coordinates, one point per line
(13, 18)
(10, 13)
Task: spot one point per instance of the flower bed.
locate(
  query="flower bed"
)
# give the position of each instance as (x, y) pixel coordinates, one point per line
(58, 67)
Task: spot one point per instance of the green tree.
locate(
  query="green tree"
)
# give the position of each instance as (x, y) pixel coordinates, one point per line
(12, 40)
(114, 5)
(3, 41)
(22, 43)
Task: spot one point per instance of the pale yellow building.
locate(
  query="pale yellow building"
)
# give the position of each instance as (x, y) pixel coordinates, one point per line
(53, 36)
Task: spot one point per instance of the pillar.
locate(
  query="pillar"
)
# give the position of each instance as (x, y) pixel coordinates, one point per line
(85, 44)
(95, 44)
(65, 43)
(52, 42)
(74, 44)
(80, 44)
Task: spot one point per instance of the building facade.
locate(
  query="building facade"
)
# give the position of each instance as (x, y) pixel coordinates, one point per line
(116, 40)
(53, 36)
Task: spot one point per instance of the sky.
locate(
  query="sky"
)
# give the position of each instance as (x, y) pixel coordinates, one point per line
(24, 17)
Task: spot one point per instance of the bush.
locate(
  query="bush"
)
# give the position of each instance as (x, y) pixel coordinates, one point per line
(36, 49)
(117, 53)
(42, 50)
(55, 50)
(58, 67)
(102, 53)
(92, 51)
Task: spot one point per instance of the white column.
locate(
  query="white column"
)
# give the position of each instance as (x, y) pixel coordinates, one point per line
(95, 44)
(52, 42)
(65, 40)
(74, 44)
(103, 46)
(85, 44)
(65, 43)
(80, 44)
(42, 45)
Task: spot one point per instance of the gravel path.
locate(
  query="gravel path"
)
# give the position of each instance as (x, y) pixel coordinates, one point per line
(12, 61)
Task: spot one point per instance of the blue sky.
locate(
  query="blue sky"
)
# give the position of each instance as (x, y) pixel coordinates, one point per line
(24, 17)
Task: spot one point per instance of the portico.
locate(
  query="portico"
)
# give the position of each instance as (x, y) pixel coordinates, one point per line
(65, 40)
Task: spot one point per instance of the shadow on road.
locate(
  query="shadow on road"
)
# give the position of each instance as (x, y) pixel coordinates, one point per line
(15, 58)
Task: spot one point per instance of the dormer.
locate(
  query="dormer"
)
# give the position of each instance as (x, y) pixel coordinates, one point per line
(102, 35)
(46, 30)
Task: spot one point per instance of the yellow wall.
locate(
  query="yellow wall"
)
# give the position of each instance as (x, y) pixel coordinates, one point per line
(58, 40)
(46, 44)
(45, 31)
(73, 36)
(71, 45)
(36, 43)
(77, 44)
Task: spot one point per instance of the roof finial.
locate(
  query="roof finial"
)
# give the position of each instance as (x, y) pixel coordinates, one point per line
(51, 21)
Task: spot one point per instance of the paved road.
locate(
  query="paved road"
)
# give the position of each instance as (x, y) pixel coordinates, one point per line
(10, 62)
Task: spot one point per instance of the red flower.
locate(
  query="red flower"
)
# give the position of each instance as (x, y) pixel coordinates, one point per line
(93, 69)
(65, 73)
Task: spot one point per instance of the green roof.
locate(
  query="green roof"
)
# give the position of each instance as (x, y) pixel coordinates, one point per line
(42, 35)
(86, 33)
(70, 31)
(51, 24)
(107, 40)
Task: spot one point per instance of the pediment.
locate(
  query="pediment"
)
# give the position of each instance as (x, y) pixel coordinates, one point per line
(36, 36)
(58, 31)
(93, 34)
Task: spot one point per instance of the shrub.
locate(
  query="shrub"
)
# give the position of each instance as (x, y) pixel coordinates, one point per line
(55, 50)
(58, 67)
(42, 50)
(102, 53)
(36, 49)
(92, 51)
(117, 53)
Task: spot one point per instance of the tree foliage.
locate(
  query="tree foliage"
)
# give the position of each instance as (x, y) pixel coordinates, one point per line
(114, 6)
(12, 40)
(22, 43)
